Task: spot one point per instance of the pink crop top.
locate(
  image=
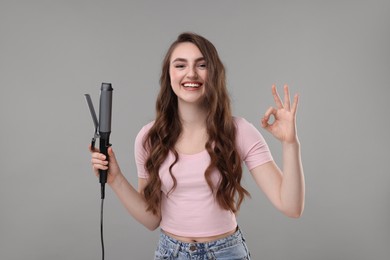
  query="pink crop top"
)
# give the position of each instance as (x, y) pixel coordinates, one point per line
(191, 209)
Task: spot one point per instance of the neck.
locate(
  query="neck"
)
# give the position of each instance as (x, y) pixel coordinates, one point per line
(192, 116)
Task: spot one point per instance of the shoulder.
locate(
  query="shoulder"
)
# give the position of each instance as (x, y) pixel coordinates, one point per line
(243, 125)
(246, 133)
(140, 152)
(251, 144)
(240, 120)
(142, 133)
(145, 129)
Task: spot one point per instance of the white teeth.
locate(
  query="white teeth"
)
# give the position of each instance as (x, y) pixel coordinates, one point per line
(191, 85)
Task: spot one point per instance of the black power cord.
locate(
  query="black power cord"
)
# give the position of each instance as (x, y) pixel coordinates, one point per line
(101, 228)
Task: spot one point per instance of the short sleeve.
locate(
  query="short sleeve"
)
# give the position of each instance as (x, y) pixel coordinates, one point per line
(140, 153)
(254, 151)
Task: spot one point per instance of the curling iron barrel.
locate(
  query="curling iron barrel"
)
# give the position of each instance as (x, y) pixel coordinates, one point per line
(105, 108)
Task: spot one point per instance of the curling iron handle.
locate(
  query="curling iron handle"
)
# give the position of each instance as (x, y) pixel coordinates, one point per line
(104, 144)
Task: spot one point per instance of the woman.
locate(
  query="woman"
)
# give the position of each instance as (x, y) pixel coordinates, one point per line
(189, 160)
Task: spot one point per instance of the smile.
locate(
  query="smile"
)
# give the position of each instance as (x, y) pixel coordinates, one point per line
(192, 84)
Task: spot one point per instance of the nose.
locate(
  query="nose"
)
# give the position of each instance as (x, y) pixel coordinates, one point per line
(192, 74)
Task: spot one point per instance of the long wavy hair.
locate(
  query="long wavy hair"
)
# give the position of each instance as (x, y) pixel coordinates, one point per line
(221, 130)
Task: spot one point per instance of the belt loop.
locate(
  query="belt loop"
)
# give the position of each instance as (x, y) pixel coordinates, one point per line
(177, 248)
(209, 254)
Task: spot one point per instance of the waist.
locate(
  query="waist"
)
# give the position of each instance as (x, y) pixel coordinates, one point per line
(200, 239)
(228, 239)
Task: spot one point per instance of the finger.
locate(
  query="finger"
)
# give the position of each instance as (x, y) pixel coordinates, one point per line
(110, 151)
(96, 168)
(295, 104)
(265, 120)
(286, 98)
(277, 99)
(270, 111)
(98, 155)
(99, 166)
(265, 124)
(98, 162)
(93, 149)
(111, 155)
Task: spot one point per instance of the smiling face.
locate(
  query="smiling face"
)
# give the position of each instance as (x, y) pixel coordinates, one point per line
(188, 73)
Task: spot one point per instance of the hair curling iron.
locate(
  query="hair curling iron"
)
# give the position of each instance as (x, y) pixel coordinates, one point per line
(102, 127)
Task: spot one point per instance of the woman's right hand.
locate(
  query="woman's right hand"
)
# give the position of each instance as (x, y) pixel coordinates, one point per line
(99, 162)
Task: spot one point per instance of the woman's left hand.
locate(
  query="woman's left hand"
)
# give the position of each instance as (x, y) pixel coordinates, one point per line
(284, 125)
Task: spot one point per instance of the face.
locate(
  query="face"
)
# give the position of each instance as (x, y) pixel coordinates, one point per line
(188, 72)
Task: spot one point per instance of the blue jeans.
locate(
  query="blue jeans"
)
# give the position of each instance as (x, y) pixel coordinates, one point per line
(232, 247)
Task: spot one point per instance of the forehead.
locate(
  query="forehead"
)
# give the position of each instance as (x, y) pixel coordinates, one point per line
(186, 50)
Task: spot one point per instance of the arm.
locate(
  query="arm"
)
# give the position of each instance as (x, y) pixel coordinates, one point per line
(135, 203)
(131, 199)
(286, 190)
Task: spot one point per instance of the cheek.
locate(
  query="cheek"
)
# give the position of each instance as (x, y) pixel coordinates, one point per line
(176, 79)
(175, 83)
(173, 76)
(203, 75)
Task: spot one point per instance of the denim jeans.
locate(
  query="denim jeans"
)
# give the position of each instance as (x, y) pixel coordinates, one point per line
(232, 247)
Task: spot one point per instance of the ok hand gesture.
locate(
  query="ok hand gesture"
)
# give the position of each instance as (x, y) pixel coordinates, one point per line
(284, 126)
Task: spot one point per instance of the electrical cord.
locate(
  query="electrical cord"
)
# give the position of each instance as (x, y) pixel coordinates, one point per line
(101, 228)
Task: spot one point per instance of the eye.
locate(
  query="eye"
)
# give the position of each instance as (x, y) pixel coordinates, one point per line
(179, 66)
(202, 66)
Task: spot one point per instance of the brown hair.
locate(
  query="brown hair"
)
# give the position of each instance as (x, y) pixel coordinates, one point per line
(221, 131)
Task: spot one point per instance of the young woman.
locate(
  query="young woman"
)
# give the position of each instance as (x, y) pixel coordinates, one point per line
(189, 159)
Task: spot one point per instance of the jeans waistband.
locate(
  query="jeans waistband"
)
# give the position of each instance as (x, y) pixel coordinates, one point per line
(200, 248)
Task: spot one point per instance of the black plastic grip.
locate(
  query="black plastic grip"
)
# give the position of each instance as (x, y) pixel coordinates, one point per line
(104, 144)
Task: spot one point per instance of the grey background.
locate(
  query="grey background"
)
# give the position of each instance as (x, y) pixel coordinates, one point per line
(334, 53)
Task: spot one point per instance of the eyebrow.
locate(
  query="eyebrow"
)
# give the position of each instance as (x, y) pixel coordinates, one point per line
(185, 60)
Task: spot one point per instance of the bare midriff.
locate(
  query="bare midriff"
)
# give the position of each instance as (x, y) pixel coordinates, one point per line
(200, 239)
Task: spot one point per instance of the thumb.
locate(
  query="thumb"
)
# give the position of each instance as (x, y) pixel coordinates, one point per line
(114, 167)
(268, 128)
(110, 152)
(111, 155)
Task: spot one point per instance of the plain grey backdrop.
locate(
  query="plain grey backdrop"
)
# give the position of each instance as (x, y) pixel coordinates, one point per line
(335, 54)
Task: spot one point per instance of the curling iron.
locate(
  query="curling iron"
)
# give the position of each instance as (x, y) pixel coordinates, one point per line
(102, 127)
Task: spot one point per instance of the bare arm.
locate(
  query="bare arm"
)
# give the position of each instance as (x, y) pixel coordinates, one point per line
(286, 189)
(131, 199)
(135, 204)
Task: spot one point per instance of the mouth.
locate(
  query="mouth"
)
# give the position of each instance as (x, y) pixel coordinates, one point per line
(192, 85)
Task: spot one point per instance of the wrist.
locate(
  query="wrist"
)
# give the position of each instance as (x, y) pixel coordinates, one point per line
(292, 143)
(291, 146)
(117, 182)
